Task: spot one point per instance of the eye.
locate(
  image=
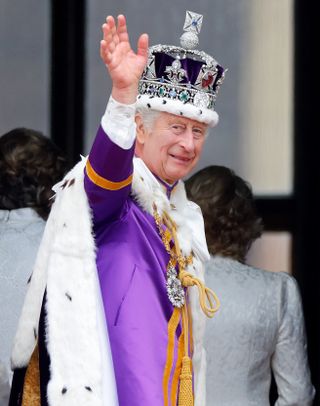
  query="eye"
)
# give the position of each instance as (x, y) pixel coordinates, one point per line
(198, 133)
(177, 128)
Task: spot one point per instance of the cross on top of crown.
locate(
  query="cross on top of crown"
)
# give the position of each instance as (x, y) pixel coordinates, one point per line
(193, 22)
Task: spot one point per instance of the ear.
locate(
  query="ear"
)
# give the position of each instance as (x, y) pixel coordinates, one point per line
(141, 130)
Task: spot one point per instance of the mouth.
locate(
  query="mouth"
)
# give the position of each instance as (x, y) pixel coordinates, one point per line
(182, 159)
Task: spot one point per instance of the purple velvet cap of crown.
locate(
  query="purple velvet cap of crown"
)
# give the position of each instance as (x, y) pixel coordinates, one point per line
(191, 66)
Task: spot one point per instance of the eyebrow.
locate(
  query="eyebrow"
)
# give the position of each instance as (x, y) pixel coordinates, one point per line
(180, 121)
(176, 121)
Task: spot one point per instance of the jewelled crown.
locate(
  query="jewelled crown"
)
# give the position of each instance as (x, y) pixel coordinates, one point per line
(182, 80)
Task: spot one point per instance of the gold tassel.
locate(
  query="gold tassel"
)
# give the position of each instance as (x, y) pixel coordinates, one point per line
(185, 389)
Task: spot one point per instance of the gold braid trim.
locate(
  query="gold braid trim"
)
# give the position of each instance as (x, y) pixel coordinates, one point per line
(105, 183)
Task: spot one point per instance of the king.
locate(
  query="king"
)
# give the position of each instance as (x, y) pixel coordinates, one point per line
(116, 308)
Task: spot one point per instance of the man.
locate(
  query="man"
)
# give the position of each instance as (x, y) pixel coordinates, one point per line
(260, 327)
(30, 164)
(150, 239)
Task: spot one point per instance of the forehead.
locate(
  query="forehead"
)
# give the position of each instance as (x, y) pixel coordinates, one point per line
(172, 118)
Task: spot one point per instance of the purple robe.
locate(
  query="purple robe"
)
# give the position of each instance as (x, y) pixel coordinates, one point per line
(131, 263)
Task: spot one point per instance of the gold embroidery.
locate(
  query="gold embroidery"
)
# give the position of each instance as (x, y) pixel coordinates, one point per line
(31, 388)
(167, 237)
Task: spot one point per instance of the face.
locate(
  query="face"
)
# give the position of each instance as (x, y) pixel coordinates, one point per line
(172, 147)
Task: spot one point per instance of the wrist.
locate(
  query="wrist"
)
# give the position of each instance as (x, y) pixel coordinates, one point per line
(126, 95)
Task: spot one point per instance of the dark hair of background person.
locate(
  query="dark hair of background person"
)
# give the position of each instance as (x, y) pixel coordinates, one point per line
(226, 201)
(30, 164)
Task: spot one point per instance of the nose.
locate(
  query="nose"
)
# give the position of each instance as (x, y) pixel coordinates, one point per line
(187, 141)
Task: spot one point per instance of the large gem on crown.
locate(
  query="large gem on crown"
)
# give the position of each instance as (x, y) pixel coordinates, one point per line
(207, 79)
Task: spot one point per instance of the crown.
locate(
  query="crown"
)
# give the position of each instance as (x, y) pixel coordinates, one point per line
(182, 80)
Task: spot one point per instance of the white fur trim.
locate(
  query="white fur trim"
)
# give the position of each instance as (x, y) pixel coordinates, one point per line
(66, 265)
(27, 331)
(177, 107)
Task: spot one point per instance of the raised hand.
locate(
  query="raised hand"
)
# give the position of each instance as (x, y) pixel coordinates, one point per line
(124, 65)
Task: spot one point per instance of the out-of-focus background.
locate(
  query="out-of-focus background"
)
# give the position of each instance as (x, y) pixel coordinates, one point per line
(52, 79)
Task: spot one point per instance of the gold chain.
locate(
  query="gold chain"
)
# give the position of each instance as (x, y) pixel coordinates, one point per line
(166, 238)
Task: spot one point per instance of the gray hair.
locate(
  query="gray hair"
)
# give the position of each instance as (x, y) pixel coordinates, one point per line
(148, 116)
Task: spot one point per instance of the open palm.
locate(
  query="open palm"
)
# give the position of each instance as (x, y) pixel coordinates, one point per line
(124, 65)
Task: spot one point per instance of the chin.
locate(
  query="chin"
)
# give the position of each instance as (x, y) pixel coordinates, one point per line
(185, 172)
(178, 176)
(177, 173)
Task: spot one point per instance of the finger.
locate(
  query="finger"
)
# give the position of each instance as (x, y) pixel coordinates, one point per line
(109, 47)
(106, 32)
(116, 39)
(110, 21)
(109, 29)
(143, 43)
(106, 56)
(122, 29)
(112, 25)
(110, 36)
(107, 37)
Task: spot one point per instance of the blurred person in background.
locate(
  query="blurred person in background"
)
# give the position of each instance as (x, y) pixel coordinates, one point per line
(259, 328)
(30, 164)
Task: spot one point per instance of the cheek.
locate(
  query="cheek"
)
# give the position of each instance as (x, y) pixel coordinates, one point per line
(164, 149)
(159, 154)
(153, 148)
(160, 146)
(199, 147)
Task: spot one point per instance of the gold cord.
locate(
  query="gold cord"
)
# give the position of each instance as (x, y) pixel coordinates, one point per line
(209, 303)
